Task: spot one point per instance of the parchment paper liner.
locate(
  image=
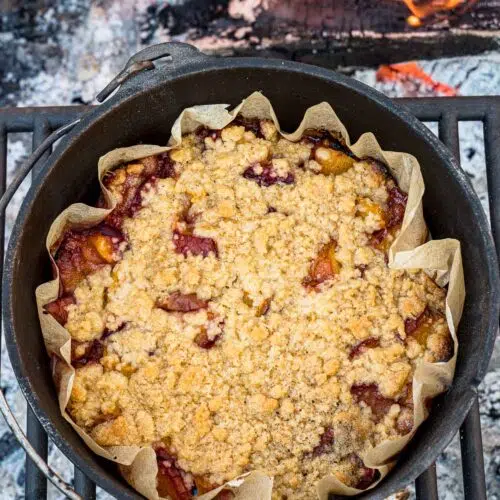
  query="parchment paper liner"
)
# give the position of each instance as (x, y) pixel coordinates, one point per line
(439, 259)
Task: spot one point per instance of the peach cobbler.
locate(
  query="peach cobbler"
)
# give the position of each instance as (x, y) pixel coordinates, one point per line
(235, 311)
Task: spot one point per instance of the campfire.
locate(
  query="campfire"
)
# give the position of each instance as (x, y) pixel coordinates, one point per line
(348, 33)
(318, 12)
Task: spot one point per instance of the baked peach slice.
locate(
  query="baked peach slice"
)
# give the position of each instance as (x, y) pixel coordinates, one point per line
(326, 442)
(265, 175)
(180, 302)
(324, 267)
(104, 247)
(83, 252)
(366, 476)
(187, 243)
(59, 308)
(333, 161)
(370, 395)
(330, 151)
(362, 346)
(431, 331)
(393, 216)
(177, 484)
(86, 353)
(365, 207)
(172, 481)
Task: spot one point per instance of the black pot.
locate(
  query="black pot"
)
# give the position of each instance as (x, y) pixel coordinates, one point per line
(143, 110)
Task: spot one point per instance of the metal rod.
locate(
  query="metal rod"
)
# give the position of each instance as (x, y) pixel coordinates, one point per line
(23, 119)
(41, 131)
(471, 444)
(424, 108)
(470, 432)
(448, 132)
(492, 156)
(426, 484)
(35, 483)
(467, 108)
(83, 485)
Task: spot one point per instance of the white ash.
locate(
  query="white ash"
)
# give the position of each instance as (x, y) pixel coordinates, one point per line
(18, 147)
(93, 55)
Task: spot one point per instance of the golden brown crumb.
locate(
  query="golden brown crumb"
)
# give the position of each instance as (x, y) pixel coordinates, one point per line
(284, 379)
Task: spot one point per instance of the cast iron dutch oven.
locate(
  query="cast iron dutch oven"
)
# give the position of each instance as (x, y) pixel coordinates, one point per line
(143, 110)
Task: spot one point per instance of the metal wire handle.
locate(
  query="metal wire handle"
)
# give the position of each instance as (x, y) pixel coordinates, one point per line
(44, 467)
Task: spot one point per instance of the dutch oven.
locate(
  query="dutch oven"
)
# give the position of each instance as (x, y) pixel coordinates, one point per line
(149, 98)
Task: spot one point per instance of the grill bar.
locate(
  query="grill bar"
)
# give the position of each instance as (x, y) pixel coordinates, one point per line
(446, 111)
(448, 133)
(83, 485)
(35, 482)
(430, 109)
(471, 445)
(492, 153)
(470, 431)
(22, 119)
(41, 130)
(426, 484)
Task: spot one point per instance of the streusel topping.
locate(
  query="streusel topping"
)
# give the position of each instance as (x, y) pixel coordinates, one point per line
(236, 312)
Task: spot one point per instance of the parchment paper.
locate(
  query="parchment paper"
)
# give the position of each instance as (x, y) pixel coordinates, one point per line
(440, 259)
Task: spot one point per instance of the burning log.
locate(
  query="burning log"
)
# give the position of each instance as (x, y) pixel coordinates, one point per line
(333, 34)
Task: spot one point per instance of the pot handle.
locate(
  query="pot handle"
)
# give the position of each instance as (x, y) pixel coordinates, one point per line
(143, 61)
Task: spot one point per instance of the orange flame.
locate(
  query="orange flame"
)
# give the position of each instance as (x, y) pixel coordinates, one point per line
(412, 71)
(425, 8)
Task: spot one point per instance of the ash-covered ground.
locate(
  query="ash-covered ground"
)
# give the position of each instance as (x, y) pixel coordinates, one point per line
(66, 53)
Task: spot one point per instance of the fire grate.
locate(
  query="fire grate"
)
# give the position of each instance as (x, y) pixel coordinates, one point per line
(447, 112)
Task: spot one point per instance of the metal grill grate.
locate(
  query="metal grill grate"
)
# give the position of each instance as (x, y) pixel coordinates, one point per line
(446, 111)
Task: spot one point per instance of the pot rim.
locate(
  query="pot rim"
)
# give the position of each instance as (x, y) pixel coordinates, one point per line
(200, 63)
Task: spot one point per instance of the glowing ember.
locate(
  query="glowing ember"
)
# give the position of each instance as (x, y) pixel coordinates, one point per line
(411, 71)
(414, 21)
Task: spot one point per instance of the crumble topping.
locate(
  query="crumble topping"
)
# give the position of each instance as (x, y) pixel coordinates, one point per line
(236, 312)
